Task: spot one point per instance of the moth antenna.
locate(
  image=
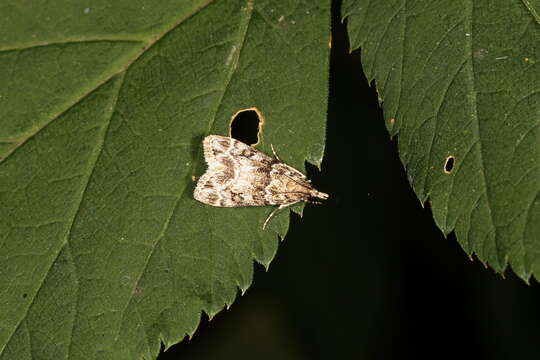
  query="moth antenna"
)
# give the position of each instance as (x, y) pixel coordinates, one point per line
(275, 154)
(305, 179)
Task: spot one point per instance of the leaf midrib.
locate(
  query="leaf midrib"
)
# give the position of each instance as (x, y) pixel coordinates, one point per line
(474, 107)
(531, 10)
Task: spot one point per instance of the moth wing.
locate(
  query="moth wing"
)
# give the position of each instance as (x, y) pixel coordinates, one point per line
(210, 191)
(206, 191)
(215, 145)
(235, 174)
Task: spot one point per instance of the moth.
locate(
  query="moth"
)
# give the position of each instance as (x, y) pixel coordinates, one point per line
(239, 175)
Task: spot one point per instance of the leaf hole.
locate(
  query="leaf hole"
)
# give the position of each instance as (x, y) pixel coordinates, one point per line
(246, 125)
(449, 164)
(24, 295)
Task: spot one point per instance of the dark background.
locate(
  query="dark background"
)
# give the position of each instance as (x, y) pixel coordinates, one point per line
(367, 275)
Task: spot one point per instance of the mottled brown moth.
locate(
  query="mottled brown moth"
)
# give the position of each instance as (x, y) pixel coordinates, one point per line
(239, 175)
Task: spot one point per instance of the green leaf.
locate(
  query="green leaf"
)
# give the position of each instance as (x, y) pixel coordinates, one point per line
(103, 250)
(460, 80)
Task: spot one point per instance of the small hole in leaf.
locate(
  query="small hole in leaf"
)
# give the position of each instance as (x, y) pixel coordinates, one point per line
(246, 125)
(449, 165)
(24, 295)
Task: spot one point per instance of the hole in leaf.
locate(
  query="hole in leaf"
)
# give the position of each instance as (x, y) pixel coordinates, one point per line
(246, 125)
(24, 295)
(449, 165)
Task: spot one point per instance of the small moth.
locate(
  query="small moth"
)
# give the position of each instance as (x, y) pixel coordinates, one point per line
(238, 175)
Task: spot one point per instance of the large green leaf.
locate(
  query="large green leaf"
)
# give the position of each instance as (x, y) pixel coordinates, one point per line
(103, 250)
(461, 80)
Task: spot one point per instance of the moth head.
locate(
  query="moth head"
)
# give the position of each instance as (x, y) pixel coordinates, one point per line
(315, 196)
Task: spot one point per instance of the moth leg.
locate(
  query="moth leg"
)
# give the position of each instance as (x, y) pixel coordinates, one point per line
(282, 206)
(275, 154)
